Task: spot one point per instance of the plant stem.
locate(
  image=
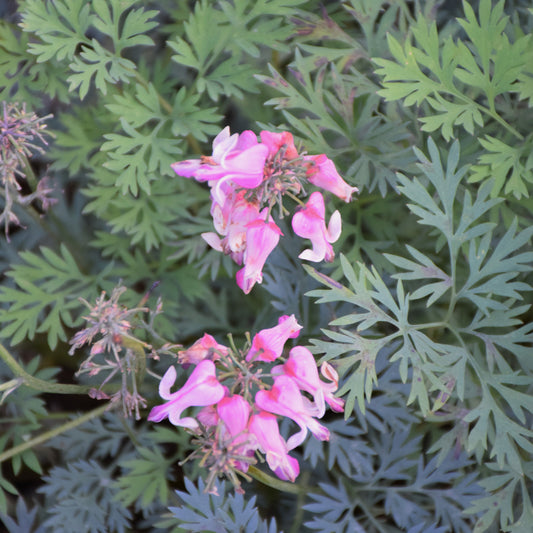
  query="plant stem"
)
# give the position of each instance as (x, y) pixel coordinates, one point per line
(274, 483)
(47, 435)
(298, 516)
(40, 384)
(11, 383)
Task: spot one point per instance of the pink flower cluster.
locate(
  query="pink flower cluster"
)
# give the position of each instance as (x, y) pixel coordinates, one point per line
(247, 178)
(239, 408)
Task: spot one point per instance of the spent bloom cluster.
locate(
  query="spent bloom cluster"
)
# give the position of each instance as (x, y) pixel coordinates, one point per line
(247, 178)
(115, 350)
(241, 399)
(22, 134)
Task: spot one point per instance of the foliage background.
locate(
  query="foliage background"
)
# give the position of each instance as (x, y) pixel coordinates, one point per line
(425, 106)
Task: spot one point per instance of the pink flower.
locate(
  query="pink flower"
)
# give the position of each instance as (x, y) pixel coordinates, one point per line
(265, 428)
(261, 238)
(234, 411)
(285, 399)
(201, 389)
(232, 220)
(301, 367)
(322, 173)
(310, 223)
(276, 141)
(236, 158)
(268, 344)
(208, 416)
(205, 348)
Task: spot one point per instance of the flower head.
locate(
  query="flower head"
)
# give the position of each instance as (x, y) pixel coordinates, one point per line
(285, 399)
(267, 345)
(239, 411)
(310, 223)
(261, 238)
(323, 174)
(247, 180)
(266, 430)
(201, 389)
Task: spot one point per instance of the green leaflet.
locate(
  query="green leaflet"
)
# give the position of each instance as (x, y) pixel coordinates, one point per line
(63, 28)
(219, 38)
(44, 298)
(145, 480)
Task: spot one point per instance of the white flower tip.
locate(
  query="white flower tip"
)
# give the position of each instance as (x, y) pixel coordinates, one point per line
(166, 382)
(311, 255)
(213, 240)
(334, 227)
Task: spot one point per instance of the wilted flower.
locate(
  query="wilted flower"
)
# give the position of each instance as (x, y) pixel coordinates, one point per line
(115, 349)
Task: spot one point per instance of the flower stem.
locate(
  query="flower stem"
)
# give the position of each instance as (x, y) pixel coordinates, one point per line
(272, 482)
(40, 384)
(47, 435)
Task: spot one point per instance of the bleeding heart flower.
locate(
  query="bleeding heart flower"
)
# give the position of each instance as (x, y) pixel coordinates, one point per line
(201, 389)
(323, 174)
(301, 367)
(234, 411)
(265, 428)
(261, 238)
(267, 345)
(205, 348)
(310, 223)
(277, 141)
(236, 158)
(285, 399)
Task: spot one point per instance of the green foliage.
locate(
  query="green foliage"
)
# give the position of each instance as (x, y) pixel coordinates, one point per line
(217, 42)
(428, 306)
(330, 101)
(63, 28)
(347, 509)
(66, 24)
(25, 520)
(80, 497)
(45, 298)
(144, 479)
(217, 513)
(461, 83)
(440, 350)
(26, 409)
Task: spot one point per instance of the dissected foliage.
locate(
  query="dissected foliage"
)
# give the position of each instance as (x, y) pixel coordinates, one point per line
(425, 106)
